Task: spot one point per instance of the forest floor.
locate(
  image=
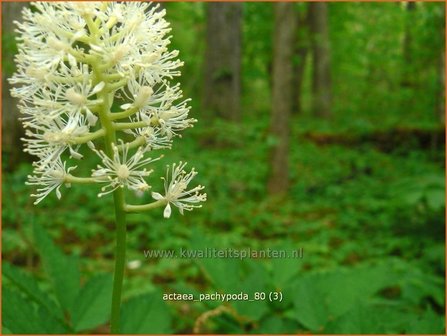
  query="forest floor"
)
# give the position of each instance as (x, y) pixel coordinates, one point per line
(366, 209)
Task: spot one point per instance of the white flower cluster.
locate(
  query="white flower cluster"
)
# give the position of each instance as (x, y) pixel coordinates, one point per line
(90, 71)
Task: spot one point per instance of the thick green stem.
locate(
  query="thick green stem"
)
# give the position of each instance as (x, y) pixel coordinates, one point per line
(118, 195)
(120, 257)
(120, 216)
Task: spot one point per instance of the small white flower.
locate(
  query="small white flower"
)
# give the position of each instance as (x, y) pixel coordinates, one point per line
(49, 100)
(133, 43)
(32, 78)
(152, 137)
(121, 171)
(175, 183)
(49, 177)
(159, 108)
(78, 95)
(172, 119)
(55, 136)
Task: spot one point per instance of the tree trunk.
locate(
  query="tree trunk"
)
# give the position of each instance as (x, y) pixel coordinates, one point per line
(441, 66)
(282, 96)
(407, 50)
(11, 128)
(301, 51)
(321, 77)
(222, 89)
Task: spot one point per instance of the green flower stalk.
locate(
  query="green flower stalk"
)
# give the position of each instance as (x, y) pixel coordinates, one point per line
(98, 75)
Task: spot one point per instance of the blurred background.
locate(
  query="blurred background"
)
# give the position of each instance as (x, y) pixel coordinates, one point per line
(321, 127)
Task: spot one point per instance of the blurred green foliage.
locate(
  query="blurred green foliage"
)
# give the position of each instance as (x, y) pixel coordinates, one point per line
(370, 221)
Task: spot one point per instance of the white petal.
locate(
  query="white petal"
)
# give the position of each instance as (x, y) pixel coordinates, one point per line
(58, 193)
(91, 145)
(95, 47)
(126, 106)
(98, 87)
(167, 212)
(72, 60)
(99, 173)
(157, 196)
(75, 155)
(145, 118)
(92, 119)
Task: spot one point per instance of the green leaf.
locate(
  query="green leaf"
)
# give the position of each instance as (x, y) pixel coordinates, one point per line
(428, 323)
(276, 324)
(92, 307)
(6, 331)
(324, 296)
(52, 325)
(435, 199)
(255, 281)
(310, 306)
(29, 286)
(18, 315)
(347, 288)
(359, 320)
(417, 285)
(63, 270)
(145, 314)
(216, 270)
(284, 269)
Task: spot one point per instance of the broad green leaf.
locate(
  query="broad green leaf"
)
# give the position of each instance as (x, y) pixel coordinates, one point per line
(6, 331)
(277, 324)
(346, 288)
(326, 296)
(18, 315)
(29, 286)
(93, 304)
(216, 269)
(310, 303)
(254, 281)
(63, 270)
(386, 317)
(51, 324)
(435, 199)
(359, 320)
(145, 314)
(284, 269)
(428, 323)
(418, 285)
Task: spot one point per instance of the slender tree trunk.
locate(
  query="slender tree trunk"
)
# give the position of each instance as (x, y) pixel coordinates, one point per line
(301, 51)
(284, 38)
(11, 128)
(407, 50)
(408, 36)
(442, 89)
(222, 87)
(321, 77)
